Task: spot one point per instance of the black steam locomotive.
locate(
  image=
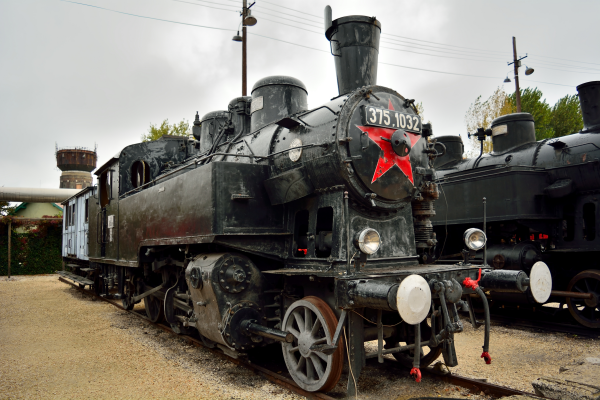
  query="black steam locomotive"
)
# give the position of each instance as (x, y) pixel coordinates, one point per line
(541, 203)
(284, 224)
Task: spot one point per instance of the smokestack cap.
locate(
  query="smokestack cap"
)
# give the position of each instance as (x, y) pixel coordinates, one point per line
(354, 43)
(589, 100)
(522, 116)
(279, 80)
(348, 20)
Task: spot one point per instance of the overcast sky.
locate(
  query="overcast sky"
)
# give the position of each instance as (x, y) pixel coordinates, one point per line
(76, 75)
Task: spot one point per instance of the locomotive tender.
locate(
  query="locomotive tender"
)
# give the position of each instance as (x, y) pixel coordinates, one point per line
(541, 199)
(282, 224)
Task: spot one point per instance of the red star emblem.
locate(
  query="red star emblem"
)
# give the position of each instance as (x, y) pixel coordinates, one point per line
(389, 157)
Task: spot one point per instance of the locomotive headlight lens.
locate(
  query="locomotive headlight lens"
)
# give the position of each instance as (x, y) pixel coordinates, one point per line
(474, 238)
(368, 241)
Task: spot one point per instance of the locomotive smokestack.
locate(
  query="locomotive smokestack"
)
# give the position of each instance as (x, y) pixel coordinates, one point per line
(589, 99)
(354, 42)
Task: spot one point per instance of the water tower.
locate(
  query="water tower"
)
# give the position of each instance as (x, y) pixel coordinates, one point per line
(76, 164)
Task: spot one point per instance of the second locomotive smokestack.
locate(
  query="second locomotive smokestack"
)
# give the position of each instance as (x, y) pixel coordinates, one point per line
(589, 99)
(355, 46)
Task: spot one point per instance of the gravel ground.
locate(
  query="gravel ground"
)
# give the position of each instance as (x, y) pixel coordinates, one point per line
(60, 344)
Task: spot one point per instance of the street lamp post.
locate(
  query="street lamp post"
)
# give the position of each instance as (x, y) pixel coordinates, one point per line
(244, 43)
(247, 20)
(517, 63)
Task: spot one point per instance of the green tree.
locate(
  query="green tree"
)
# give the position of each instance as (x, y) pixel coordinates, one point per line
(532, 103)
(481, 114)
(155, 132)
(566, 116)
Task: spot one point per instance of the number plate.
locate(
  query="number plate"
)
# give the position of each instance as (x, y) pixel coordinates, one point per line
(391, 119)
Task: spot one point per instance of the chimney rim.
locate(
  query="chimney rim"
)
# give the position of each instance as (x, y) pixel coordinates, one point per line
(591, 83)
(350, 19)
(522, 116)
(277, 80)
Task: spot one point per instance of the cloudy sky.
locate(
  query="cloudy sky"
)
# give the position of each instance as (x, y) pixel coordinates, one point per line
(76, 75)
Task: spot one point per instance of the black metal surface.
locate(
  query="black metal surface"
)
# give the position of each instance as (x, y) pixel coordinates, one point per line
(454, 149)
(589, 99)
(373, 294)
(512, 130)
(504, 280)
(517, 256)
(212, 129)
(276, 97)
(541, 197)
(355, 45)
(253, 328)
(239, 109)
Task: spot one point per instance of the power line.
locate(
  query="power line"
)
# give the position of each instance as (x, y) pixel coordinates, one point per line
(287, 24)
(441, 51)
(288, 8)
(443, 44)
(435, 55)
(549, 83)
(385, 47)
(440, 72)
(143, 16)
(542, 62)
(292, 43)
(202, 5)
(280, 12)
(564, 59)
(435, 48)
(287, 19)
(218, 3)
(418, 45)
(284, 41)
(419, 40)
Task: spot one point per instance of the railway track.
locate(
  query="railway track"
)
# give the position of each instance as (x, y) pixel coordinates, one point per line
(546, 326)
(473, 385)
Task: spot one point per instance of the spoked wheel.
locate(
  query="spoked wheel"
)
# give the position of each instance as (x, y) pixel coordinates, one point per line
(586, 311)
(128, 293)
(312, 321)
(428, 354)
(154, 308)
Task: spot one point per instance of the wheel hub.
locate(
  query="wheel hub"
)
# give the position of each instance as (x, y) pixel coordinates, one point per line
(593, 302)
(304, 342)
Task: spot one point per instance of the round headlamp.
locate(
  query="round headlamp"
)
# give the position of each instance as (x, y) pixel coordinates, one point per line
(368, 241)
(474, 238)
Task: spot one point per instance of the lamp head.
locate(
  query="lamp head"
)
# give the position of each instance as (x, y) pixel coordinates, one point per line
(237, 37)
(249, 20)
(505, 81)
(528, 71)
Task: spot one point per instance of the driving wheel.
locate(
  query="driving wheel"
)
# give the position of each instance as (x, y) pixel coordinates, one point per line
(154, 308)
(586, 311)
(312, 322)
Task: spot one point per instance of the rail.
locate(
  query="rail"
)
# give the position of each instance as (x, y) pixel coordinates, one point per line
(474, 385)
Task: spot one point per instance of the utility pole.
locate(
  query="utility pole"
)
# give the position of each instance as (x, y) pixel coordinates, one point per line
(515, 62)
(244, 42)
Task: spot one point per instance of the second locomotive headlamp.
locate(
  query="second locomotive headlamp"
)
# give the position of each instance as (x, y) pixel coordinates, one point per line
(474, 238)
(368, 241)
